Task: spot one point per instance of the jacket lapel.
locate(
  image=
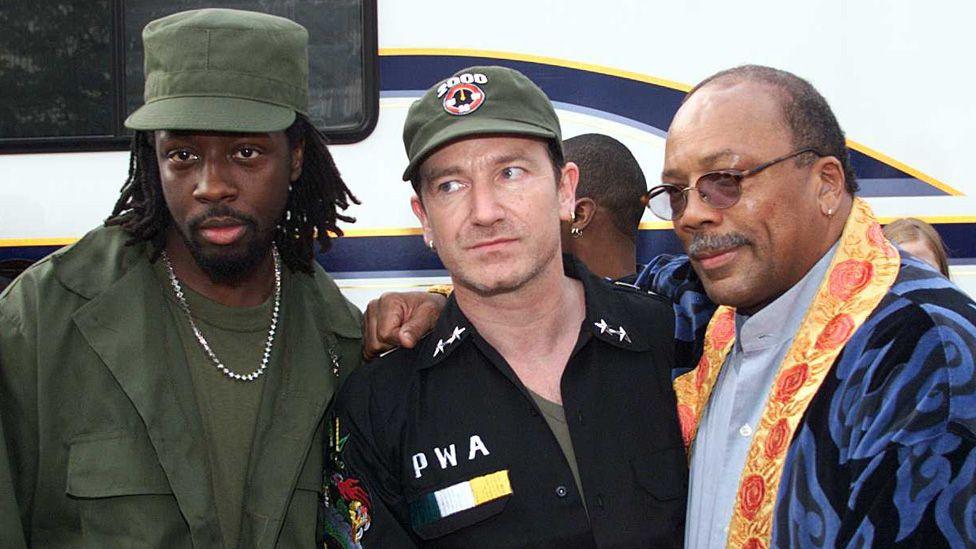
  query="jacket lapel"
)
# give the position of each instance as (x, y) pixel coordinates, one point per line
(126, 326)
(298, 389)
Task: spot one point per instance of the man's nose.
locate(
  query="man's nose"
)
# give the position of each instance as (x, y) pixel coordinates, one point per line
(214, 183)
(486, 208)
(697, 213)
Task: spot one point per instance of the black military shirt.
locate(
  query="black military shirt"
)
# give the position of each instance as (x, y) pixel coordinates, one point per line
(443, 446)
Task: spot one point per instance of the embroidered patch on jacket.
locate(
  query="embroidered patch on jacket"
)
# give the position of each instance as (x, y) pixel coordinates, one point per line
(459, 497)
(347, 504)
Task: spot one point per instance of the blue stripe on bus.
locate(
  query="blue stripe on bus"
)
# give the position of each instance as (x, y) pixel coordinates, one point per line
(404, 256)
(623, 98)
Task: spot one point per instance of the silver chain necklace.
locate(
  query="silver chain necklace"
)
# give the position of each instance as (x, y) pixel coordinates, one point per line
(178, 290)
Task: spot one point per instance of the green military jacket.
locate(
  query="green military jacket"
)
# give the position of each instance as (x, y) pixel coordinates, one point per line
(102, 441)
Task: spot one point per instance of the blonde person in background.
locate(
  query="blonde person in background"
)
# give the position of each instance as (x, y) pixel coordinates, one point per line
(921, 240)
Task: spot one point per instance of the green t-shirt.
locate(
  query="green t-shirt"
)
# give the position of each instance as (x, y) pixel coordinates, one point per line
(555, 417)
(228, 408)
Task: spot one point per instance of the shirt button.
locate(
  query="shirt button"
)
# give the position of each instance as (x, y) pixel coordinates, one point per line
(561, 491)
(745, 430)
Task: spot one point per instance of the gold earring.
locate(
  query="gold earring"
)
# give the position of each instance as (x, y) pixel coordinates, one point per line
(576, 232)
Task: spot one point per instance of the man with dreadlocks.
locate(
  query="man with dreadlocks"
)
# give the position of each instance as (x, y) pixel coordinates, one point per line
(164, 380)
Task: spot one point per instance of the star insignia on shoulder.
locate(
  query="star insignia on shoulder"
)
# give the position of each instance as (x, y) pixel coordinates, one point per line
(606, 329)
(620, 333)
(456, 336)
(442, 343)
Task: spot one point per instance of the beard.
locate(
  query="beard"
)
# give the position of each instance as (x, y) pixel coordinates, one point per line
(231, 264)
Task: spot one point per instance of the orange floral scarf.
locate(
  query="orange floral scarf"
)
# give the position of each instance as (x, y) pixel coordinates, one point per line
(863, 269)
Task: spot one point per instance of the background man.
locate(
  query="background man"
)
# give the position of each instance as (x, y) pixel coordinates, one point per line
(518, 421)
(603, 231)
(832, 401)
(163, 381)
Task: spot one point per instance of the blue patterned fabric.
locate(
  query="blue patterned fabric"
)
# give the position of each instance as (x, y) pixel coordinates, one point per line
(885, 455)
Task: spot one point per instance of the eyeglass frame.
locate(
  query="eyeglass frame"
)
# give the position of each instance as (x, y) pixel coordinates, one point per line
(738, 175)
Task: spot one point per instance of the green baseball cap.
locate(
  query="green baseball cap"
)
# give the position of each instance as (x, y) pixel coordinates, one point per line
(477, 101)
(223, 70)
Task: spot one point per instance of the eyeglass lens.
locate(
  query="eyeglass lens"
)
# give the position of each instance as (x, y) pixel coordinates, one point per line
(717, 189)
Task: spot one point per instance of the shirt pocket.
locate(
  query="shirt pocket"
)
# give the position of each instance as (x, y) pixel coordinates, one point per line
(456, 522)
(116, 466)
(663, 473)
(122, 494)
(458, 506)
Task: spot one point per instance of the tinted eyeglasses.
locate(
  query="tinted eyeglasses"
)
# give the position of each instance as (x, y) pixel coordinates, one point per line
(719, 189)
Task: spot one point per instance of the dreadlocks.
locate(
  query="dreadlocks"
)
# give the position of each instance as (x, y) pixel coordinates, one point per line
(312, 211)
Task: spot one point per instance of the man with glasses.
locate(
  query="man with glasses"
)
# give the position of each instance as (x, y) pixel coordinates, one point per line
(833, 396)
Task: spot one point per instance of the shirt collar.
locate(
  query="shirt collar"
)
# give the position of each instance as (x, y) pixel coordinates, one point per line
(607, 319)
(777, 322)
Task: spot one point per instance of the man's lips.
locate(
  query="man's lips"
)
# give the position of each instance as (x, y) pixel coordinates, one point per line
(492, 245)
(221, 231)
(715, 259)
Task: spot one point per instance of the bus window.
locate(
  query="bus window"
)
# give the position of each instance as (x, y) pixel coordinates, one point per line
(71, 70)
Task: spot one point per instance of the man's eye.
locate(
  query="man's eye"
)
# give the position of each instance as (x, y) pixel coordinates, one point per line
(247, 153)
(512, 172)
(448, 187)
(181, 155)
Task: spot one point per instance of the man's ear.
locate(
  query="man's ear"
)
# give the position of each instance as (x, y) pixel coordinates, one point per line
(828, 176)
(566, 190)
(585, 210)
(418, 210)
(297, 160)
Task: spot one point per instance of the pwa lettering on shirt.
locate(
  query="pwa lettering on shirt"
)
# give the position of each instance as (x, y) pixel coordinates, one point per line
(447, 456)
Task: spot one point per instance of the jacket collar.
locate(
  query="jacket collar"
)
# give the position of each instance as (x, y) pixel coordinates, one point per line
(97, 261)
(617, 312)
(610, 317)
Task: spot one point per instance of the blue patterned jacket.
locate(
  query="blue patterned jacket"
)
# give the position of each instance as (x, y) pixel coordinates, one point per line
(885, 455)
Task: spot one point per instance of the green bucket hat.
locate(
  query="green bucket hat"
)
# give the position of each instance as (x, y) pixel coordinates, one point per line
(477, 101)
(223, 70)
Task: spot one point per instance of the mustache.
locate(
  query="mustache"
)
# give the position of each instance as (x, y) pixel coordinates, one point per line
(476, 235)
(706, 244)
(221, 210)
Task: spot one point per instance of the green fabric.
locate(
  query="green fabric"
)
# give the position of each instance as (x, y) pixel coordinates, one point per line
(511, 104)
(103, 442)
(228, 408)
(555, 418)
(223, 70)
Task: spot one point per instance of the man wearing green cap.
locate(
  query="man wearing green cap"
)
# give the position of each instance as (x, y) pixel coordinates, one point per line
(163, 382)
(517, 421)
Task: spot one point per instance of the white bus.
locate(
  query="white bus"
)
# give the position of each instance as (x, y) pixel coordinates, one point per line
(895, 73)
